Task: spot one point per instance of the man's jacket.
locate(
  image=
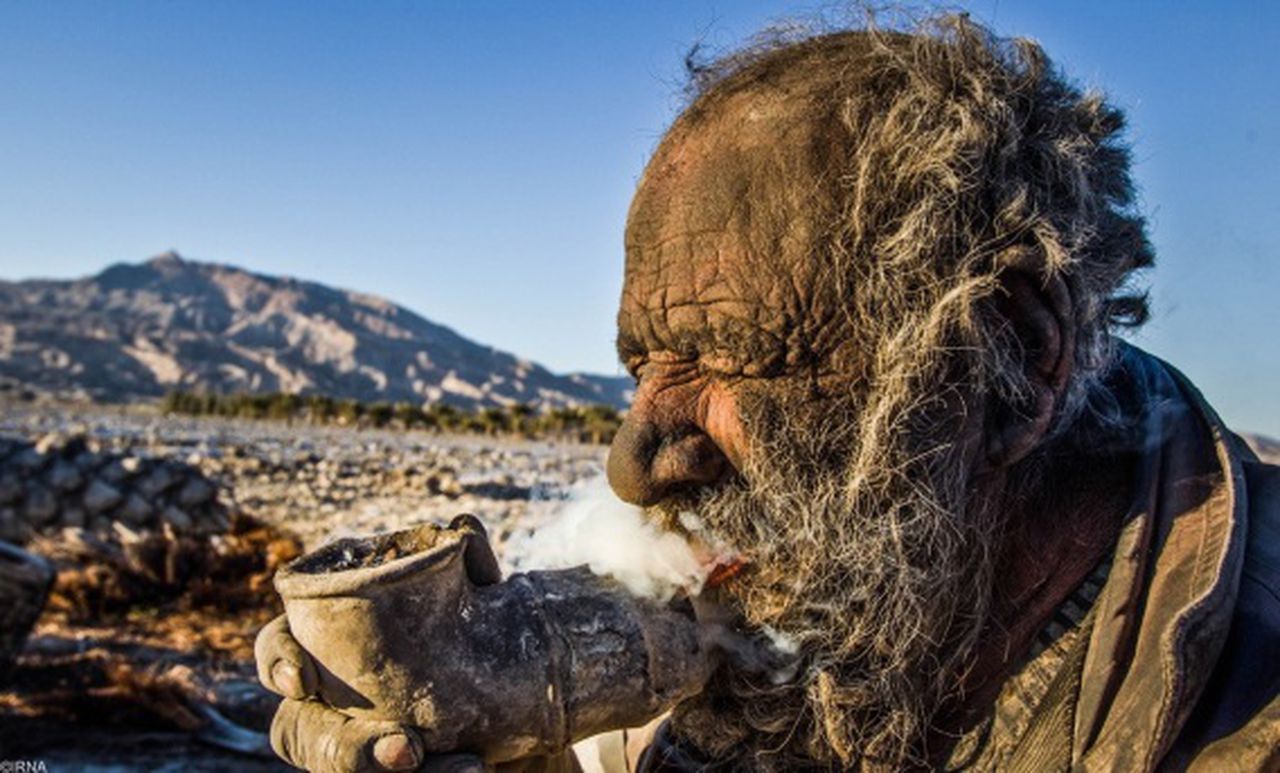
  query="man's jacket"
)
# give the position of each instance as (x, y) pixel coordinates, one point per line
(1173, 662)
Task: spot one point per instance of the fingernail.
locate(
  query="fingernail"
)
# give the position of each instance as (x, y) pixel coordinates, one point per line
(287, 678)
(396, 752)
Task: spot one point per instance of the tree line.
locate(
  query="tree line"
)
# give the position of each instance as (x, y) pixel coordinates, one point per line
(588, 424)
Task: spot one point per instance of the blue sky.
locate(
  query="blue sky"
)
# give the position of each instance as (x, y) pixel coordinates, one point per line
(474, 160)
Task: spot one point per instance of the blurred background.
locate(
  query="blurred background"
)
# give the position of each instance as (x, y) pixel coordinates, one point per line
(474, 161)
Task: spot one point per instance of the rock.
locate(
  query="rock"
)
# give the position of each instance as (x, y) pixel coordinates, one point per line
(197, 491)
(48, 443)
(10, 488)
(73, 446)
(29, 460)
(40, 506)
(62, 444)
(113, 472)
(13, 528)
(159, 481)
(216, 520)
(88, 461)
(10, 444)
(64, 477)
(176, 518)
(101, 497)
(444, 482)
(135, 511)
(74, 516)
(132, 465)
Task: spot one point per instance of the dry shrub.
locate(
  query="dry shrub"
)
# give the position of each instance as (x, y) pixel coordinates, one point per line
(152, 631)
(192, 593)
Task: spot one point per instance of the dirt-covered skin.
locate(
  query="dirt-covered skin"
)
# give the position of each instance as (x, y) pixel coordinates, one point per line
(719, 294)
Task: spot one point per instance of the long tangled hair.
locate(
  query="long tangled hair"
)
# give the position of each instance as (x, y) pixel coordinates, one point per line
(950, 156)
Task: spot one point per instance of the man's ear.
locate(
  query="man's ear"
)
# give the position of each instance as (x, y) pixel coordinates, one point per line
(1038, 312)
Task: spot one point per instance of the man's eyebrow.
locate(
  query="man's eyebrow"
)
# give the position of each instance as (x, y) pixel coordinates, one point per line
(693, 341)
(687, 342)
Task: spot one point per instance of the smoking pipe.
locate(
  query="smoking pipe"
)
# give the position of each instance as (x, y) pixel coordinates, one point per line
(418, 627)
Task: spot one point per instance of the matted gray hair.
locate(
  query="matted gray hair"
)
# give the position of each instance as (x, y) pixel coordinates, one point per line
(947, 156)
(958, 154)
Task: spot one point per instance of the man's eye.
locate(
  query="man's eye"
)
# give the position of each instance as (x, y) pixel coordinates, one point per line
(721, 364)
(635, 366)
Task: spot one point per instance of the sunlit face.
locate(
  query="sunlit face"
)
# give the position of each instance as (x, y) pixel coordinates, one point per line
(754, 409)
(723, 298)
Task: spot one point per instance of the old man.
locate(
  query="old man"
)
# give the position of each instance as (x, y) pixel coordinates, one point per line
(873, 285)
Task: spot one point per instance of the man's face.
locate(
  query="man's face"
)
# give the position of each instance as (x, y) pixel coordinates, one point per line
(756, 410)
(722, 297)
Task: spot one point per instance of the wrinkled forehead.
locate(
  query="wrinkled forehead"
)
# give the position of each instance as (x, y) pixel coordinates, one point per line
(721, 237)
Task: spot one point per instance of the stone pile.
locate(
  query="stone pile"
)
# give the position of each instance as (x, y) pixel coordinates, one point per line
(325, 482)
(65, 481)
(312, 479)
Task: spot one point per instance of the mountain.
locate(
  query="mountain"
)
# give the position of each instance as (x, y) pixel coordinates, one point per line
(138, 330)
(1267, 449)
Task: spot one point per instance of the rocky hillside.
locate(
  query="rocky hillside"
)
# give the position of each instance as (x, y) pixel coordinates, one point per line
(137, 330)
(1267, 449)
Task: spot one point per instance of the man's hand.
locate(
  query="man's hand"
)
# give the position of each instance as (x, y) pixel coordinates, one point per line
(308, 734)
(372, 682)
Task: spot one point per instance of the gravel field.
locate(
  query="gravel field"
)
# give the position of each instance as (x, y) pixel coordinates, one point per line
(328, 482)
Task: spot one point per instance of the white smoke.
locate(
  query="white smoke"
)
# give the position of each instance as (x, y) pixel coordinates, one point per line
(610, 537)
(596, 529)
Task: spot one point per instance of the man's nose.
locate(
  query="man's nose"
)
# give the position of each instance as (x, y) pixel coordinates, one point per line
(649, 461)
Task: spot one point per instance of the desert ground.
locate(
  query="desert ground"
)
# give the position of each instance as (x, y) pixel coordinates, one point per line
(143, 655)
